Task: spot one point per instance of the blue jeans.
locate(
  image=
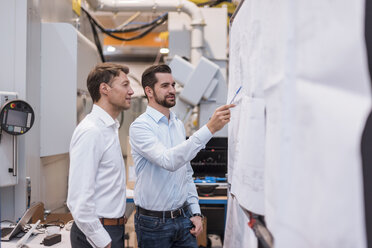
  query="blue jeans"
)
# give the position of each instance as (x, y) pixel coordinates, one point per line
(154, 232)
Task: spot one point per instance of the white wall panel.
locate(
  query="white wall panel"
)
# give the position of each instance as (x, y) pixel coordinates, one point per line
(58, 87)
(66, 59)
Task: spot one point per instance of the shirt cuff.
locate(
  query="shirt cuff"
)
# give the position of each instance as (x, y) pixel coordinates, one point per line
(195, 208)
(203, 134)
(100, 238)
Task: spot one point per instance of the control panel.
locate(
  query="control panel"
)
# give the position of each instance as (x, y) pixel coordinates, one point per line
(17, 117)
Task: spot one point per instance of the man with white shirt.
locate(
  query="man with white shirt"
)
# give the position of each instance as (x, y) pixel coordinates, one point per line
(96, 194)
(168, 213)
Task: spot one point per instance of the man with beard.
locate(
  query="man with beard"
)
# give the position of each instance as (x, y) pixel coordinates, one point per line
(168, 212)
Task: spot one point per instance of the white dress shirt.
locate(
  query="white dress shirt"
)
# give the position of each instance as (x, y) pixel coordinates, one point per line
(97, 175)
(162, 161)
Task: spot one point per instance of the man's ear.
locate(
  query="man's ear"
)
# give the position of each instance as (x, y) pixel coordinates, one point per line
(149, 92)
(103, 88)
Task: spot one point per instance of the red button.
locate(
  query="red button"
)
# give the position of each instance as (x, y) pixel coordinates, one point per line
(12, 105)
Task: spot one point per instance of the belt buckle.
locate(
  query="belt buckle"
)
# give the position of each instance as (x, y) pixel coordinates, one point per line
(173, 216)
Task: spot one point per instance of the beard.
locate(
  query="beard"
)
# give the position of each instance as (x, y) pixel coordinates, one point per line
(164, 102)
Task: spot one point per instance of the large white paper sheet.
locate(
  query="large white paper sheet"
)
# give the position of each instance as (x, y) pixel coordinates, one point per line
(253, 42)
(306, 61)
(248, 177)
(240, 234)
(316, 169)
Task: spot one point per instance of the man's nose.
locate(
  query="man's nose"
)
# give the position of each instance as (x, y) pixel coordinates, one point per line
(172, 90)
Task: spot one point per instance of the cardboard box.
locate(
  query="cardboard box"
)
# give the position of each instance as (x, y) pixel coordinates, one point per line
(202, 238)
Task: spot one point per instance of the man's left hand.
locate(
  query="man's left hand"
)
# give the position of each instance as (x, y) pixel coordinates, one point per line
(198, 225)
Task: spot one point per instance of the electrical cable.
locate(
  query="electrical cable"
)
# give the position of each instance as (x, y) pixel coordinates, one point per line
(57, 222)
(94, 24)
(165, 15)
(154, 24)
(134, 37)
(97, 41)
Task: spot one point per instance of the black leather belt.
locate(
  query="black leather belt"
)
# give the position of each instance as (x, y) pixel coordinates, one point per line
(166, 214)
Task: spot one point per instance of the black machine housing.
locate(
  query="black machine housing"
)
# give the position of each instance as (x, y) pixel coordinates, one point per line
(212, 160)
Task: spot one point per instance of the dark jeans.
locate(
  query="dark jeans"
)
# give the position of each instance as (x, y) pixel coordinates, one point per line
(164, 232)
(78, 239)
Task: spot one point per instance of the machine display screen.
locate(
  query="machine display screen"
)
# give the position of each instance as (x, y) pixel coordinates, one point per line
(17, 118)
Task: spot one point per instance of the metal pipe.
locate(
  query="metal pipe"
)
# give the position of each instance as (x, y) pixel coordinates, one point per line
(197, 41)
(15, 156)
(197, 20)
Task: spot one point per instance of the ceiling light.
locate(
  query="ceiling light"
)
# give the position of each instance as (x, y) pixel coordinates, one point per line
(111, 49)
(164, 50)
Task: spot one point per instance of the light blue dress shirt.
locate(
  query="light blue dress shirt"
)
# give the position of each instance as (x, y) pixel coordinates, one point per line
(162, 157)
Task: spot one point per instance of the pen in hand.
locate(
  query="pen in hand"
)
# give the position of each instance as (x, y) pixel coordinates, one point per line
(236, 93)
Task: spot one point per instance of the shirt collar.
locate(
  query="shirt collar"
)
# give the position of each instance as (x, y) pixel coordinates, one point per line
(157, 116)
(173, 116)
(104, 116)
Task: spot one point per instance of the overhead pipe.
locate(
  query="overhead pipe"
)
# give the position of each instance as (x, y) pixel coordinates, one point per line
(197, 20)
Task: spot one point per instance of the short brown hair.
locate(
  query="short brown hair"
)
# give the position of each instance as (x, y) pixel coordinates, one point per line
(149, 77)
(103, 73)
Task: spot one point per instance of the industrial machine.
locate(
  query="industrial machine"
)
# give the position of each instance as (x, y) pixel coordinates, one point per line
(17, 118)
(210, 168)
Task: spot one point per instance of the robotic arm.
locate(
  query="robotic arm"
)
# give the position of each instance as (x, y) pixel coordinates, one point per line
(202, 84)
